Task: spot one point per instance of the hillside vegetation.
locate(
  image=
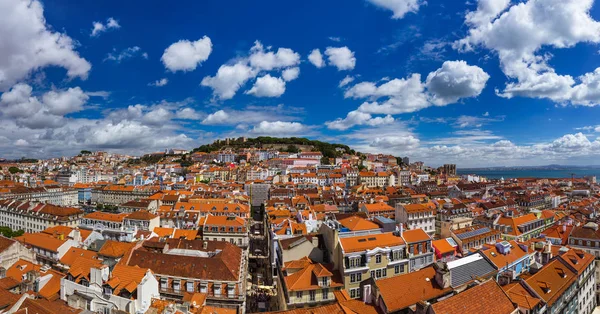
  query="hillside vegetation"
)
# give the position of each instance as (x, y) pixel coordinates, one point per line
(291, 144)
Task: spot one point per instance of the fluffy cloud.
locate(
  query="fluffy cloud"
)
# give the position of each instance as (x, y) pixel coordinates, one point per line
(186, 55)
(99, 27)
(219, 117)
(267, 86)
(278, 128)
(342, 58)
(517, 33)
(346, 80)
(229, 79)
(473, 147)
(455, 80)
(398, 7)
(65, 102)
(159, 83)
(232, 76)
(125, 54)
(262, 60)
(354, 118)
(402, 95)
(28, 44)
(316, 58)
(29, 111)
(290, 74)
(40, 125)
(252, 114)
(395, 142)
(448, 84)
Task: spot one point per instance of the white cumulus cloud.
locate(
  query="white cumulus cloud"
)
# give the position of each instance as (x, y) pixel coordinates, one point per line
(341, 57)
(99, 27)
(267, 86)
(398, 7)
(186, 55)
(28, 44)
(316, 58)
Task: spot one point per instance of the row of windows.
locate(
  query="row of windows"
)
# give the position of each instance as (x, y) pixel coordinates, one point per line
(312, 295)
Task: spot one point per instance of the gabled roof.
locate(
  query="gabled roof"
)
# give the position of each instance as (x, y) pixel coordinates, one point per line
(369, 242)
(356, 223)
(487, 297)
(307, 278)
(402, 291)
(551, 281)
(126, 277)
(115, 249)
(415, 235)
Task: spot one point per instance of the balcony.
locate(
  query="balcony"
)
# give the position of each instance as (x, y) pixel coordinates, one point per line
(171, 291)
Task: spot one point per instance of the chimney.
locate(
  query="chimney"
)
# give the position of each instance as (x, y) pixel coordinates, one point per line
(77, 235)
(442, 274)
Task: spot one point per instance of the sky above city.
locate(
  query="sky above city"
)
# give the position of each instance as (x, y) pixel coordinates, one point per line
(476, 83)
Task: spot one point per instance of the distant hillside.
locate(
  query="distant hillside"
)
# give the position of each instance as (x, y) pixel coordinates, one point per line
(287, 144)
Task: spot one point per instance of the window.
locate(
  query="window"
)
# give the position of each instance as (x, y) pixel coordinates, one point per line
(324, 281)
(231, 291)
(176, 285)
(325, 293)
(217, 289)
(203, 287)
(189, 286)
(311, 295)
(397, 269)
(355, 293)
(352, 277)
(299, 295)
(378, 258)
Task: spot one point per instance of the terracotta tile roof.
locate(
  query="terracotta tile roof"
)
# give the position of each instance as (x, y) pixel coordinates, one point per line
(228, 221)
(290, 227)
(115, 249)
(106, 216)
(163, 232)
(577, 259)
(51, 290)
(402, 291)
(307, 278)
(188, 234)
(41, 306)
(521, 296)
(551, 281)
(141, 215)
(8, 283)
(415, 235)
(488, 297)
(81, 267)
(417, 208)
(501, 260)
(443, 246)
(378, 207)
(5, 243)
(19, 268)
(41, 240)
(369, 242)
(129, 277)
(73, 253)
(355, 223)
(222, 266)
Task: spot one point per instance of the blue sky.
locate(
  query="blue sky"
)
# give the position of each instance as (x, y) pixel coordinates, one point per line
(476, 83)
